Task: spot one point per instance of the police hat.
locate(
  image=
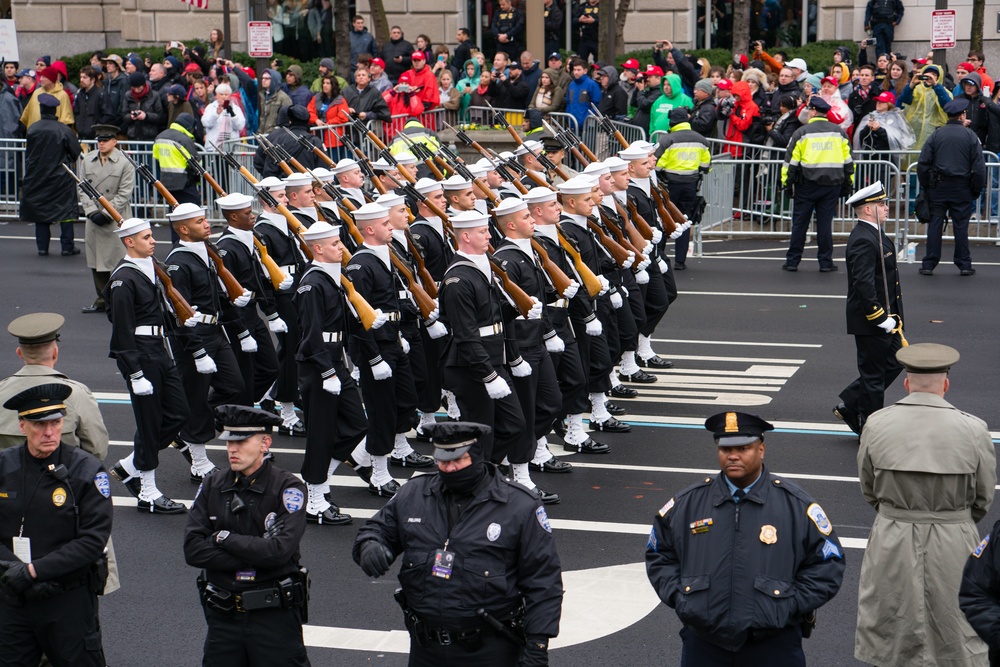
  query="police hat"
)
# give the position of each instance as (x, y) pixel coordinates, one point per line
(48, 101)
(927, 358)
(819, 104)
(104, 132)
(957, 106)
(735, 429)
(872, 193)
(453, 439)
(36, 328)
(41, 403)
(238, 422)
(678, 115)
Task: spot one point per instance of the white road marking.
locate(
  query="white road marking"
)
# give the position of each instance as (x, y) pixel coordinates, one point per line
(748, 343)
(773, 295)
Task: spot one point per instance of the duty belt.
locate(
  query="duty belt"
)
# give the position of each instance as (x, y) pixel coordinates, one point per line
(333, 336)
(393, 316)
(149, 330)
(491, 330)
(202, 318)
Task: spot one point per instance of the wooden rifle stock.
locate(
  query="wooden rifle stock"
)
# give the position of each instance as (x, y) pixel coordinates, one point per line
(366, 314)
(425, 276)
(618, 252)
(522, 301)
(623, 240)
(590, 281)
(675, 212)
(579, 156)
(669, 226)
(638, 220)
(560, 281)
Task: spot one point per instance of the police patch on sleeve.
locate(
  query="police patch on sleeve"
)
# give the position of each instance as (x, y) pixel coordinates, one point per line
(666, 508)
(818, 517)
(102, 484)
(292, 499)
(981, 547)
(651, 542)
(543, 519)
(831, 550)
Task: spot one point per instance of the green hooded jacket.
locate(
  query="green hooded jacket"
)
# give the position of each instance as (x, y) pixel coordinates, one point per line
(659, 114)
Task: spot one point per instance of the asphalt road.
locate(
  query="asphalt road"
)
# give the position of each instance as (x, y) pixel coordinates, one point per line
(743, 334)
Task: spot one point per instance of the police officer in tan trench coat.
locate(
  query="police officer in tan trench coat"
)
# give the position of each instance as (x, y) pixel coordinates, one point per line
(929, 469)
(114, 178)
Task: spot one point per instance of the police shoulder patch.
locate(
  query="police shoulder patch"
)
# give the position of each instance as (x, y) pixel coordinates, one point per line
(651, 543)
(102, 484)
(981, 547)
(666, 508)
(543, 519)
(818, 516)
(293, 500)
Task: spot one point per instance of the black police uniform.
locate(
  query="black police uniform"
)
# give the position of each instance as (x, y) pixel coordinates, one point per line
(245, 532)
(980, 591)
(867, 248)
(338, 422)
(242, 259)
(656, 294)
(510, 23)
(391, 403)
(742, 576)
(952, 171)
(138, 325)
(195, 277)
(589, 32)
(479, 350)
(504, 560)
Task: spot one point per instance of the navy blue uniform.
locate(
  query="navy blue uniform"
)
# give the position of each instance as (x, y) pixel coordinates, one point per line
(979, 595)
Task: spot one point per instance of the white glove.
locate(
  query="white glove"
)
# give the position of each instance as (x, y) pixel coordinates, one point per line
(677, 232)
(277, 325)
(535, 312)
(644, 264)
(594, 327)
(605, 285)
(623, 291)
(888, 325)
(571, 290)
(664, 267)
(405, 345)
(205, 365)
(437, 330)
(642, 277)
(142, 387)
(647, 249)
(657, 236)
(192, 321)
(382, 371)
(332, 385)
(243, 299)
(286, 282)
(627, 264)
(555, 345)
(434, 314)
(616, 300)
(521, 369)
(356, 374)
(248, 344)
(497, 388)
(380, 319)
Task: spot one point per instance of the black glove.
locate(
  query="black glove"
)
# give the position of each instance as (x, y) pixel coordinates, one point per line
(535, 653)
(275, 529)
(846, 188)
(229, 110)
(375, 558)
(99, 218)
(16, 579)
(41, 590)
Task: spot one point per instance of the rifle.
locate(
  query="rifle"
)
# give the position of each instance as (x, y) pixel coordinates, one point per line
(364, 130)
(233, 288)
(182, 309)
(274, 271)
(540, 156)
(608, 126)
(309, 146)
(423, 153)
(269, 151)
(362, 161)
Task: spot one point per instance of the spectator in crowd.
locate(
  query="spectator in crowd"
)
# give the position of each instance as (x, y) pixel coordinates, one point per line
(10, 73)
(704, 117)
(614, 99)
(25, 87)
(115, 86)
(451, 99)
(276, 14)
(463, 51)
(530, 70)
(978, 60)
(863, 98)
(548, 96)
(177, 103)
(441, 60)
(200, 97)
(10, 128)
(961, 71)
(787, 85)
(404, 98)
(320, 24)
(423, 45)
(670, 58)
(379, 79)
(362, 41)
(424, 81)
(514, 91)
(48, 84)
(223, 119)
(134, 64)
(758, 86)
(830, 91)
(468, 83)
(896, 79)
(364, 101)
(673, 97)
(158, 81)
(724, 103)
(501, 61)
(582, 92)
(142, 116)
(841, 72)
(173, 69)
(799, 69)
(884, 129)
(923, 100)
(271, 99)
(781, 129)
(980, 106)
(294, 88)
(881, 19)
(487, 91)
(553, 26)
(555, 61)
(508, 29)
(396, 53)
(89, 105)
(42, 63)
(626, 79)
(741, 117)
(328, 107)
(216, 44)
(60, 68)
(587, 21)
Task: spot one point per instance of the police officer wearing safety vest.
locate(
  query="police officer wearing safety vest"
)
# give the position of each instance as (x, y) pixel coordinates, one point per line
(481, 580)
(244, 529)
(55, 522)
(819, 168)
(744, 557)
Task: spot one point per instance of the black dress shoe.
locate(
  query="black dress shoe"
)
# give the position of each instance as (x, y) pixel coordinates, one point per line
(639, 377)
(615, 410)
(679, 266)
(653, 362)
(93, 308)
(386, 491)
(967, 272)
(789, 267)
(621, 391)
(70, 253)
(364, 472)
(546, 498)
(610, 425)
(183, 448)
(829, 269)
(132, 484)
(329, 517)
(849, 417)
(161, 505)
(421, 436)
(298, 429)
(552, 465)
(198, 479)
(588, 446)
(926, 272)
(560, 428)
(43, 253)
(412, 460)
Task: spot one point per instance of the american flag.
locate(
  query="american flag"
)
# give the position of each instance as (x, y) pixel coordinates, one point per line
(198, 4)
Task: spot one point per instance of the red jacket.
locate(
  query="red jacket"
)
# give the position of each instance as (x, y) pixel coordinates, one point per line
(429, 94)
(741, 118)
(331, 137)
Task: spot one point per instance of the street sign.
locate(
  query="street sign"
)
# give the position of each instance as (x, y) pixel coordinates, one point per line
(8, 40)
(259, 39)
(943, 29)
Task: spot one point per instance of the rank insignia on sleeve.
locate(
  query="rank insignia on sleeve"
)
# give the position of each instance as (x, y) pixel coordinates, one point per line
(666, 508)
(304, 289)
(981, 547)
(116, 283)
(452, 281)
(819, 518)
(700, 526)
(768, 534)
(831, 550)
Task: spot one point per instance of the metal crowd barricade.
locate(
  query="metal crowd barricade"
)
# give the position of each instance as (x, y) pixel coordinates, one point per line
(603, 145)
(433, 120)
(484, 116)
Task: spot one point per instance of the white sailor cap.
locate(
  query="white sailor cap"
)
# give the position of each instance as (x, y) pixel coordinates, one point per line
(345, 165)
(478, 171)
(185, 212)
(370, 211)
(873, 193)
(531, 146)
(578, 185)
(389, 199)
(486, 163)
(132, 226)
(456, 183)
(234, 202)
(320, 230)
(643, 144)
(615, 163)
(469, 220)
(381, 164)
(323, 175)
(271, 184)
(633, 152)
(425, 186)
(596, 169)
(510, 205)
(539, 196)
(406, 157)
(297, 180)
(507, 155)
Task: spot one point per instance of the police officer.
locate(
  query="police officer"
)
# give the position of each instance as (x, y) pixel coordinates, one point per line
(744, 557)
(819, 166)
(874, 308)
(55, 522)
(244, 530)
(508, 29)
(587, 20)
(476, 527)
(952, 171)
(138, 346)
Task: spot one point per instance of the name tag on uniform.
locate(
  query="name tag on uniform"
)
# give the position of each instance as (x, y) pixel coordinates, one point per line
(246, 575)
(22, 549)
(701, 526)
(444, 561)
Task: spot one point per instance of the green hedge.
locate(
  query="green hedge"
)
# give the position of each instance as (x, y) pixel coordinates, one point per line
(818, 55)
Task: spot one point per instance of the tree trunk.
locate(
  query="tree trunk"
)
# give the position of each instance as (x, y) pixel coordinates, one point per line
(976, 37)
(605, 32)
(380, 24)
(342, 37)
(621, 15)
(741, 27)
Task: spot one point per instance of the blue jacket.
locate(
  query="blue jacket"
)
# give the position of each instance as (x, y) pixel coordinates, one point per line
(361, 42)
(580, 95)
